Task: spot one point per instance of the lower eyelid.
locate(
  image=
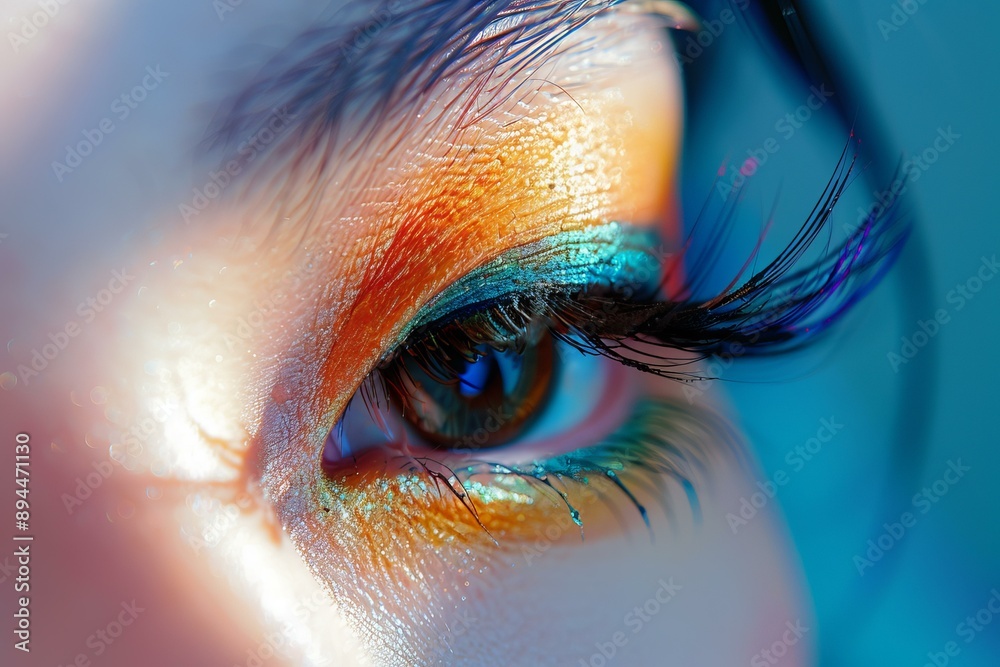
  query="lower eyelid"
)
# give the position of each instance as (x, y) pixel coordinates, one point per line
(483, 503)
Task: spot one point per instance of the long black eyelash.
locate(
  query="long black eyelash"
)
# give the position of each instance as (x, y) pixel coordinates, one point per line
(779, 308)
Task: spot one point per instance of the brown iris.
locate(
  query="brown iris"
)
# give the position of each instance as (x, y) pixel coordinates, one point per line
(479, 399)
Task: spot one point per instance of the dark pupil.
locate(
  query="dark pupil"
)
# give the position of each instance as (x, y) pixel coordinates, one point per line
(478, 400)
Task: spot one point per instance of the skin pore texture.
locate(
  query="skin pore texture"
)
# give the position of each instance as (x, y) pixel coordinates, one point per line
(215, 375)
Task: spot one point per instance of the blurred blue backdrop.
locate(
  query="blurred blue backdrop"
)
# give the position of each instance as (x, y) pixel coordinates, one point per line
(926, 70)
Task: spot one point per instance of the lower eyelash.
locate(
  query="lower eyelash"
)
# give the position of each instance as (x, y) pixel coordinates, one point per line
(660, 440)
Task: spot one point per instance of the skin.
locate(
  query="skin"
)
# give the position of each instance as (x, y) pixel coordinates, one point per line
(227, 349)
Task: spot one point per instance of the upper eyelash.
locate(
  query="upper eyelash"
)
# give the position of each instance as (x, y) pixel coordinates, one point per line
(777, 309)
(594, 322)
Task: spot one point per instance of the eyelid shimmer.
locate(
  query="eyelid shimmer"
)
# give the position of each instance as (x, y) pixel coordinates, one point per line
(611, 254)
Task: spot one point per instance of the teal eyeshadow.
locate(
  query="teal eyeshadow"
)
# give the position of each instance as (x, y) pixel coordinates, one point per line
(614, 254)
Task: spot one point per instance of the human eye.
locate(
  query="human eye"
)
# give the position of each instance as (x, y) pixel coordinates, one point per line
(512, 375)
(500, 395)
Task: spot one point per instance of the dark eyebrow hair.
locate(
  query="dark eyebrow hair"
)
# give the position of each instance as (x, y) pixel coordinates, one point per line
(364, 66)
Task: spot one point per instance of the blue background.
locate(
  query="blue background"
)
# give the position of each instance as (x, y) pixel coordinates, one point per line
(935, 70)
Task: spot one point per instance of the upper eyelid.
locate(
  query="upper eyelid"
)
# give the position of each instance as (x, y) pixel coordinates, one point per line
(310, 82)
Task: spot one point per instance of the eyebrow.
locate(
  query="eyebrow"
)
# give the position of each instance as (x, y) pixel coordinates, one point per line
(369, 65)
